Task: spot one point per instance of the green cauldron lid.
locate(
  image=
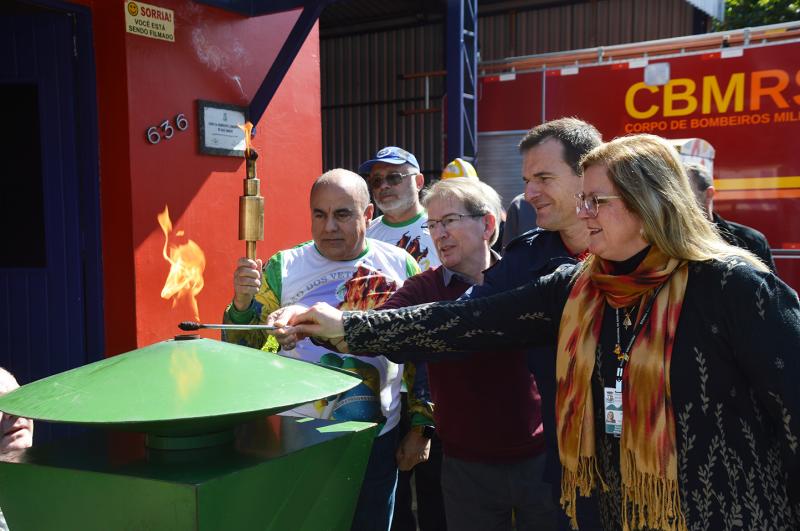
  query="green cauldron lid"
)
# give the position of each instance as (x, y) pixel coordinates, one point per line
(177, 388)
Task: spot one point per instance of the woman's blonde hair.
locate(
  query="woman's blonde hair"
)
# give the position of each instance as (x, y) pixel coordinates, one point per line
(652, 181)
(477, 197)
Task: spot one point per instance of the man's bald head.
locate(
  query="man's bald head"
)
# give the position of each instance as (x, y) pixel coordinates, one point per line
(349, 182)
(340, 212)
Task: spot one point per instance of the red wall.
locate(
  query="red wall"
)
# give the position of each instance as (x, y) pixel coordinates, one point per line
(141, 82)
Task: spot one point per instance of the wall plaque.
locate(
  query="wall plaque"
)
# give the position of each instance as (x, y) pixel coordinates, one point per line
(219, 128)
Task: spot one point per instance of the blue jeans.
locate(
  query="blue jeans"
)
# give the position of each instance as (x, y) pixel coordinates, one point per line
(375, 505)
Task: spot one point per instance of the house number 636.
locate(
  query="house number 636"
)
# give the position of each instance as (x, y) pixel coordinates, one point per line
(165, 130)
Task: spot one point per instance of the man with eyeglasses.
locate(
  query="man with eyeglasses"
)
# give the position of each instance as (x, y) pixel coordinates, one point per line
(344, 268)
(551, 154)
(395, 181)
(487, 405)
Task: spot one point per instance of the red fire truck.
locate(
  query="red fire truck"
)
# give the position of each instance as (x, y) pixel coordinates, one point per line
(737, 90)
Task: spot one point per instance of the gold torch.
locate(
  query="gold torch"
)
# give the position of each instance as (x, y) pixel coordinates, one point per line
(251, 203)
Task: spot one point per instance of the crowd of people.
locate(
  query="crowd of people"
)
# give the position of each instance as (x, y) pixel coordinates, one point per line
(630, 363)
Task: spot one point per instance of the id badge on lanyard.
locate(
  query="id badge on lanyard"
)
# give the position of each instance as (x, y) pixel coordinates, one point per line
(612, 396)
(612, 410)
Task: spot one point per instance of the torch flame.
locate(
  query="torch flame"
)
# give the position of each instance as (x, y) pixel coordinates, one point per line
(187, 263)
(247, 127)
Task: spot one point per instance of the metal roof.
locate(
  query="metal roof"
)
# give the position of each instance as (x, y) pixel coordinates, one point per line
(712, 8)
(346, 17)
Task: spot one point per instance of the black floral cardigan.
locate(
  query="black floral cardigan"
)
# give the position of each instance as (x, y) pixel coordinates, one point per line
(735, 382)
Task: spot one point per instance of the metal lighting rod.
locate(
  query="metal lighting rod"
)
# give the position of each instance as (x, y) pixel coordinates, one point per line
(189, 326)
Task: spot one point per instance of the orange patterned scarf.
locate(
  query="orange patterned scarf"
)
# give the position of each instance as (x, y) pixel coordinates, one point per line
(648, 460)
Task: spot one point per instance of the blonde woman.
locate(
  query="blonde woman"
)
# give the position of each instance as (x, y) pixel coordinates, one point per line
(691, 344)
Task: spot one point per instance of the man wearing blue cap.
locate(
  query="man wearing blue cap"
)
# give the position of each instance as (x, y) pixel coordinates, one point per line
(395, 181)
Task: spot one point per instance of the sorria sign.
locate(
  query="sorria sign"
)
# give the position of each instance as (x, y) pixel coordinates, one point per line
(149, 21)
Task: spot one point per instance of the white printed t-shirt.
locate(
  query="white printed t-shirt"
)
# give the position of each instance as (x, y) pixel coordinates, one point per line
(408, 235)
(303, 276)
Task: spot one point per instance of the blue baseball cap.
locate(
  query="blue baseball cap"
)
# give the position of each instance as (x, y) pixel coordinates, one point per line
(389, 155)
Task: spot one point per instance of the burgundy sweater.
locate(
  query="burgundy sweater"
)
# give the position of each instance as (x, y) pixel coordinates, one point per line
(486, 405)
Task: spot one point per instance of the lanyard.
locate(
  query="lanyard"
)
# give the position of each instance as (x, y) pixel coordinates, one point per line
(638, 328)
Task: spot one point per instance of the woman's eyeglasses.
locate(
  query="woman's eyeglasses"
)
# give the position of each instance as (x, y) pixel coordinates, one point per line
(448, 220)
(391, 179)
(591, 203)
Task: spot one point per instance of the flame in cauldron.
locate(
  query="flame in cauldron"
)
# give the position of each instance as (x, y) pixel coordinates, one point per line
(187, 263)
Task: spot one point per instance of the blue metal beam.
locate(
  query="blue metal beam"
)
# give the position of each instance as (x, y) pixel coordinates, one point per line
(462, 69)
(286, 55)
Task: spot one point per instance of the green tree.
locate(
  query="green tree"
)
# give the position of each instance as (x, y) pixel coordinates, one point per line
(749, 13)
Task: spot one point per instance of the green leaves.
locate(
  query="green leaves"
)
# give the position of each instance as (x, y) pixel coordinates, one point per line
(749, 13)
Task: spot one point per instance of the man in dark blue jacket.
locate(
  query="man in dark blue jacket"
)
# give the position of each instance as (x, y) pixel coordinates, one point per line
(551, 154)
(734, 233)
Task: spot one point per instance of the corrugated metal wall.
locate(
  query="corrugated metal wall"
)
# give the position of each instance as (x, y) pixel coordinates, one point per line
(362, 97)
(585, 25)
(501, 163)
